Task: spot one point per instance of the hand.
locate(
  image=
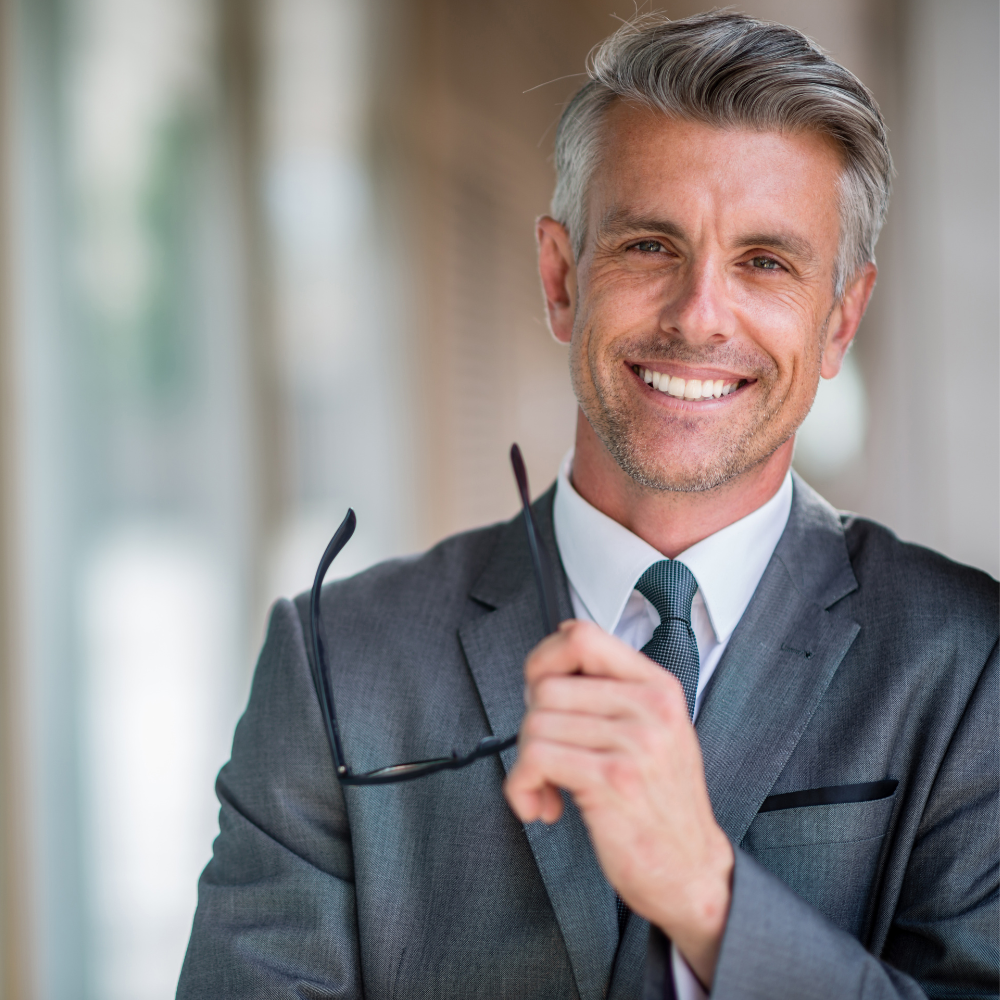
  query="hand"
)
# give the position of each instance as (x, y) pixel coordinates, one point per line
(611, 727)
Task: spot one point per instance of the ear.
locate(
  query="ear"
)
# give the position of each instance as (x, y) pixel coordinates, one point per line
(557, 268)
(845, 320)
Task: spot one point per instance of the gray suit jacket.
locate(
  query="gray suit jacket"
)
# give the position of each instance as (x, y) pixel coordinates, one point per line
(859, 659)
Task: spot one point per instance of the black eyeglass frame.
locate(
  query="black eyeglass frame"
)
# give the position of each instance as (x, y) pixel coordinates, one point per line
(487, 746)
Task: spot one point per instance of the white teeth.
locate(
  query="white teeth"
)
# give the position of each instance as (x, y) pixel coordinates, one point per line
(693, 389)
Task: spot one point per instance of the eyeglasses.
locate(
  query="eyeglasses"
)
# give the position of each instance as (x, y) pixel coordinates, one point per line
(321, 679)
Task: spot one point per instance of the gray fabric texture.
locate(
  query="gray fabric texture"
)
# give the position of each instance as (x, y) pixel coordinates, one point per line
(859, 659)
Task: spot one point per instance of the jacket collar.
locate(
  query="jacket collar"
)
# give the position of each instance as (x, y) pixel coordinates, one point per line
(604, 560)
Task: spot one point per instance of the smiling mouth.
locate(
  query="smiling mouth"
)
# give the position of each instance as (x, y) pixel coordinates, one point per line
(692, 389)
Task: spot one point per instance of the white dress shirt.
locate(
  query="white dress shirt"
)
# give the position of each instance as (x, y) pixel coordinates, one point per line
(604, 560)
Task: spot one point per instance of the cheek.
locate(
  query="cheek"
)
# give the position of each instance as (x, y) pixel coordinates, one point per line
(785, 327)
(617, 301)
(596, 323)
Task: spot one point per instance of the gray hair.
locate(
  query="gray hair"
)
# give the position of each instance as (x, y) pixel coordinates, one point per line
(729, 70)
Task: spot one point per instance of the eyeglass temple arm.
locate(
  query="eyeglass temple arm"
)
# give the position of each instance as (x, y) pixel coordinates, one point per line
(340, 539)
(539, 562)
(550, 618)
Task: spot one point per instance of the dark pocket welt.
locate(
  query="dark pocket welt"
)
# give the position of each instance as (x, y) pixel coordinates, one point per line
(831, 795)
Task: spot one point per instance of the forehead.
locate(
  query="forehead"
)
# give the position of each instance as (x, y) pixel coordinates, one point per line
(655, 166)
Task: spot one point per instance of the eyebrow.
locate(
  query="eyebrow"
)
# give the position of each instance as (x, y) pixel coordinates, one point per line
(620, 222)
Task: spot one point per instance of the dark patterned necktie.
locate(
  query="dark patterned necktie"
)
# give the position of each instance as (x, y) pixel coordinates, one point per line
(670, 587)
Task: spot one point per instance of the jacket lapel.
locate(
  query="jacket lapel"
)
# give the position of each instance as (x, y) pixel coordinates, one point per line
(776, 668)
(495, 646)
(778, 663)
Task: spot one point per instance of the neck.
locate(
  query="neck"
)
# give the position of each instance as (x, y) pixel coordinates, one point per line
(668, 520)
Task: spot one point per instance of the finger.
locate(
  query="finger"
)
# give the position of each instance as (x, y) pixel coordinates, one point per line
(528, 791)
(661, 698)
(582, 647)
(552, 804)
(541, 763)
(574, 729)
(589, 695)
(529, 795)
(529, 804)
(526, 802)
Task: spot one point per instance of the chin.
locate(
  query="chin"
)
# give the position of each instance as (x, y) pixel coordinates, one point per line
(692, 469)
(670, 480)
(676, 473)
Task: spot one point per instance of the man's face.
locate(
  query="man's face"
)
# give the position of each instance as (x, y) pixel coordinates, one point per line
(708, 268)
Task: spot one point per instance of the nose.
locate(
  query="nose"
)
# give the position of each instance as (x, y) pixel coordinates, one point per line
(697, 309)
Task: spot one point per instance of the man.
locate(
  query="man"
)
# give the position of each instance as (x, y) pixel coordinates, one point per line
(763, 752)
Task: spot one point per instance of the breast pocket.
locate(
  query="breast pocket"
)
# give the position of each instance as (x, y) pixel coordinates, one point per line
(828, 854)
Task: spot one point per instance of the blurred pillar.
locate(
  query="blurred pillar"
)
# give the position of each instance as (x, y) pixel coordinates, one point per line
(466, 100)
(239, 26)
(932, 464)
(15, 981)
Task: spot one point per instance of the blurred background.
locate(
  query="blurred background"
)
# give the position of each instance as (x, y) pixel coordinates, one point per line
(263, 259)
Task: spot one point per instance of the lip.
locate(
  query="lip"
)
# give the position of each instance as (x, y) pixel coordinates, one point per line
(684, 372)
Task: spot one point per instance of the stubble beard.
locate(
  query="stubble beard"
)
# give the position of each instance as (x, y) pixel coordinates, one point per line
(737, 448)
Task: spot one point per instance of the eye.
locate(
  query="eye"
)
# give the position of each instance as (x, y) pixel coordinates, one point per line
(765, 264)
(648, 246)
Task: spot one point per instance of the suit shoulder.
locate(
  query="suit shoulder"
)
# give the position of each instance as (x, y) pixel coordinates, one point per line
(918, 578)
(429, 585)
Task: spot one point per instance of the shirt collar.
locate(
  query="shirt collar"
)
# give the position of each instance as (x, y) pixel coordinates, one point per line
(604, 560)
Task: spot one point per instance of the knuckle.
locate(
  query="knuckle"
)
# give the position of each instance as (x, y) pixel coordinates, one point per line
(546, 691)
(619, 771)
(581, 635)
(531, 664)
(529, 755)
(661, 697)
(647, 740)
(533, 725)
(575, 642)
(669, 700)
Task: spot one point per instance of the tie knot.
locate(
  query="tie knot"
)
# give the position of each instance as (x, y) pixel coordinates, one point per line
(670, 587)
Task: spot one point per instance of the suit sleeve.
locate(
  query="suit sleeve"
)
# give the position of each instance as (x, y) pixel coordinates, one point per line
(276, 908)
(943, 937)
